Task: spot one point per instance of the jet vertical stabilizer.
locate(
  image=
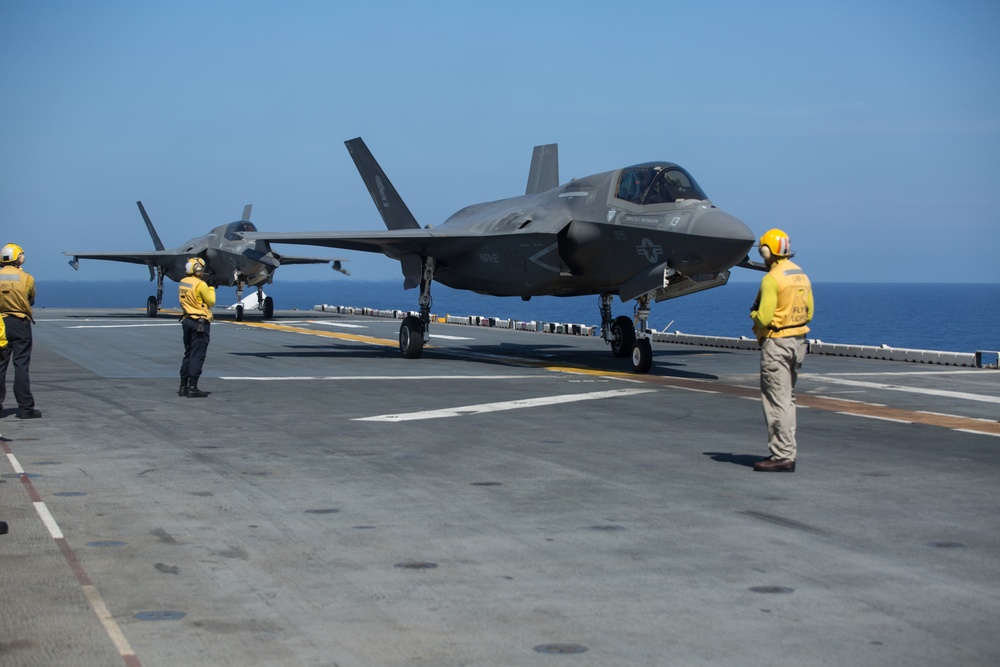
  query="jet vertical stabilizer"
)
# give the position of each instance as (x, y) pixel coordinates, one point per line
(544, 172)
(157, 243)
(390, 205)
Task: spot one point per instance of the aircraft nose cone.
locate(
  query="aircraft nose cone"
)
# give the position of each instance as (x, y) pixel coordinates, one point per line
(718, 225)
(725, 240)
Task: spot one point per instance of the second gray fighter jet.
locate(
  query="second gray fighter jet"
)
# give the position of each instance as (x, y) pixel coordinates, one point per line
(230, 260)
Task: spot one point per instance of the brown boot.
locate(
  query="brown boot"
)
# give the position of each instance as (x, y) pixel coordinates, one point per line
(774, 465)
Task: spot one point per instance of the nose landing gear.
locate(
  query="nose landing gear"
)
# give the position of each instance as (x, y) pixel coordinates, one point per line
(628, 339)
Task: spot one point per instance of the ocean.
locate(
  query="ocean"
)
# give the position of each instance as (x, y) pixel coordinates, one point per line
(927, 316)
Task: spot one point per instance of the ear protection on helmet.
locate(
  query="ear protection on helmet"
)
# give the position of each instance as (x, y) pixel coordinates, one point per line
(194, 264)
(11, 253)
(775, 243)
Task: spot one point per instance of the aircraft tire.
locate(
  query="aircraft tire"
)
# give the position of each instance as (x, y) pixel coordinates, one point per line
(151, 307)
(623, 336)
(642, 356)
(268, 307)
(411, 337)
(239, 313)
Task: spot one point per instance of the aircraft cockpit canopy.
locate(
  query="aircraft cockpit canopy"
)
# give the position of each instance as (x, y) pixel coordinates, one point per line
(657, 183)
(233, 229)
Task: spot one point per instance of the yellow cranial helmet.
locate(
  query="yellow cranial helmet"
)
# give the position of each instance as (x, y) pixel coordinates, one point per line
(775, 243)
(194, 264)
(11, 253)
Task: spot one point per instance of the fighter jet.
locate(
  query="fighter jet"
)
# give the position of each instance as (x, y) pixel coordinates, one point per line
(230, 260)
(646, 232)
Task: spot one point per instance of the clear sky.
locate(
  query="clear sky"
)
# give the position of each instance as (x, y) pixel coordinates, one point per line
(869, 130)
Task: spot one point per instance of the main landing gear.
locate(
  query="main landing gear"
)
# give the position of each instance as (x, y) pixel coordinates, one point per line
(628, 339)
(414, 332)
(265, 304)
(154, 303)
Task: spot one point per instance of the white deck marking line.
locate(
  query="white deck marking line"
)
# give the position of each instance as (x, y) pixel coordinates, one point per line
(15, 465)
(343, 325)
(698, 391)
(945, 414)
(443, 337)
(93, 596)
(883, 419)
(504, 405)
(48, 520)
(108, 621)
(122, 326)
(338, 378)
(969, 430)
(915, 390)
(86, 319)
(893, 374)
(838, 397)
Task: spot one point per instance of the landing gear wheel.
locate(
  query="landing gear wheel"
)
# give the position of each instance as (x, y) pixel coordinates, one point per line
(151, 307)
(268, 307)
(623, 336)
(411, 337)
(239, 313)
(642, 356)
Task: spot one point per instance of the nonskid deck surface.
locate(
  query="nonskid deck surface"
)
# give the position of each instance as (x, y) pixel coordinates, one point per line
(510, 498)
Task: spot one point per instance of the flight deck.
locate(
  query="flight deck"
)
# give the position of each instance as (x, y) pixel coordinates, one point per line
(509, 498)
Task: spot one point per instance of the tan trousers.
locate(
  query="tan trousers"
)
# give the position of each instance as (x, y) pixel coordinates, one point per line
(780, 360)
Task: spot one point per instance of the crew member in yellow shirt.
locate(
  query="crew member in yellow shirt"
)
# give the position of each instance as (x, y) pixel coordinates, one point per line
(197, 299)
(17, 296)
(781, 313)
(4, 347)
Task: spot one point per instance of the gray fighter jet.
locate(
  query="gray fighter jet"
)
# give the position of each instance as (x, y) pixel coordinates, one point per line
(230, 260)
(645, 232)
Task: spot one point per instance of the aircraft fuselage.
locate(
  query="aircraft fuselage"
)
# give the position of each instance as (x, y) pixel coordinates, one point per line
(229, 257)
(582, 238)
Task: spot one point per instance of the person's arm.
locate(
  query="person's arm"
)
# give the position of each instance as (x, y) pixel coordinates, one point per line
(207, 294)
(764, 315)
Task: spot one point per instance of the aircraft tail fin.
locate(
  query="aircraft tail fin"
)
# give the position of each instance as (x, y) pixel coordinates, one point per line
(157, 243)
(544, 172)
(390, 205)
(246, 213)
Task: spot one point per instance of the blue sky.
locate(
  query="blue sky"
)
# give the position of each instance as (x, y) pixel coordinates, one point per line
(870, 131)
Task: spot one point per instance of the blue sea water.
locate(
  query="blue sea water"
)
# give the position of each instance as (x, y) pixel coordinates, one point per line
(949, 317)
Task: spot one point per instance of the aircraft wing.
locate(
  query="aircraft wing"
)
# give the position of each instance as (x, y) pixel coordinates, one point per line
(394, 243)
(147, 258)
(152, 259)
(405, 245)
(293, 259)
(289, 259)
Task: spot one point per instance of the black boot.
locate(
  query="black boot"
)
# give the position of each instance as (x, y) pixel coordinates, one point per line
(194, 392)
(183, 391)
